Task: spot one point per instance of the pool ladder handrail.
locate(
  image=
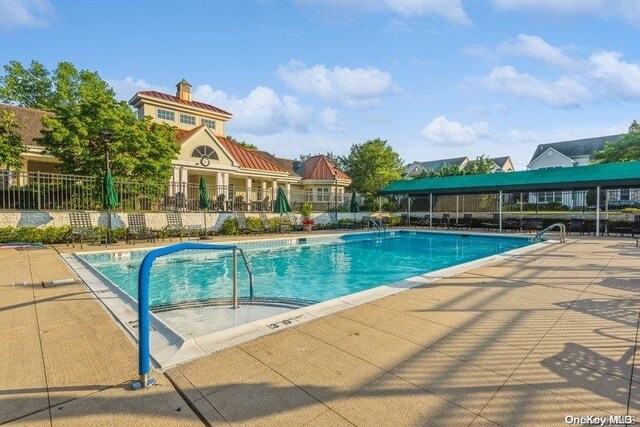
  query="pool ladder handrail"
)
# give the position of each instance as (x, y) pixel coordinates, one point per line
(379, 225)
(561, 227)
(249, 270)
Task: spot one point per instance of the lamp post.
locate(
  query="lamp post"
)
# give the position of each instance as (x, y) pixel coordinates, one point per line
(335, 179)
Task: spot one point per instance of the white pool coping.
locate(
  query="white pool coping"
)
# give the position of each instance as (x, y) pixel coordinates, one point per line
(169, 348)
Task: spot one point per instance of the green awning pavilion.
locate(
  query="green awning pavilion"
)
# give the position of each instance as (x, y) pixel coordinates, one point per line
(599, 176)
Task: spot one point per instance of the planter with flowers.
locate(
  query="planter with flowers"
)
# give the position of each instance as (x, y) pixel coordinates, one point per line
(307, 222)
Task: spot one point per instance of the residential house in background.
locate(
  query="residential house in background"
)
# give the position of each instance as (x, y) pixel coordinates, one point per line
(565, 154)
(501, 164)
(29, 123)
(242, 178)
(238, 178)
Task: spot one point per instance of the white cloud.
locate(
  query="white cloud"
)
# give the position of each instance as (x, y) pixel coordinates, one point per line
(330, 120)
(450, 10)
(480, 52)
(564, 92)
(127, 87)
(15, 14)
(626, 9)
(261, 112)
(537, 48)
(618, 78)
(359, 87)
(442, 131)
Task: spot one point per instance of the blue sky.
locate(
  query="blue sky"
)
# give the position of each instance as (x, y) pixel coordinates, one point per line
(437, 78)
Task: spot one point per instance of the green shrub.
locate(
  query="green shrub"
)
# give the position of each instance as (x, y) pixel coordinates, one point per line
(229, 226)
(255, 223)
(305, 209)
(631, 210)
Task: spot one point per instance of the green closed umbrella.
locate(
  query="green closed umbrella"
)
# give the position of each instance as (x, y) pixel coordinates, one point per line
(354, 206)
(110, 200)
(204, 200)
(282, 204)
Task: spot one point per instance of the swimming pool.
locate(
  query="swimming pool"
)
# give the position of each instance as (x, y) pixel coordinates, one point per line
(296, 279)
(298, 272)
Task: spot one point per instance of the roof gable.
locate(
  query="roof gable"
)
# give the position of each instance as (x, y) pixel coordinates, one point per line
(319, 167)
(576, 148)
(438, 164)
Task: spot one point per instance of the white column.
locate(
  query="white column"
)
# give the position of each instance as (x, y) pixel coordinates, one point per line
(249, 186)
(288, 191)
(219, 183)
(175, 179)
(598, 211)
(500, 211)
(184, 179)
(274, 189)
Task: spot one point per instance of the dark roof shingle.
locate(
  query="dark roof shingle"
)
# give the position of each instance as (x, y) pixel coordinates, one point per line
(29, 121)
(576, 148)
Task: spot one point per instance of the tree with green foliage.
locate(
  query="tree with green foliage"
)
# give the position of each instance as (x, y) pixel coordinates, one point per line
(87, 119)
(245, 144)
(10, 142)
(626, 149)
(478, 166)
(372, 165)
(333, 158)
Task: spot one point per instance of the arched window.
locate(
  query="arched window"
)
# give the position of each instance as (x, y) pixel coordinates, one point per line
(204, 151)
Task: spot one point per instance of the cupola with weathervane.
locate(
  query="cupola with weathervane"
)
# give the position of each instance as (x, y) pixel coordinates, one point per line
(183, 91)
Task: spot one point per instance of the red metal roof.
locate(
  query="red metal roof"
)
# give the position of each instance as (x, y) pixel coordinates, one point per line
(174, 99)
(182, 135)
(319, 167)
(247, 159)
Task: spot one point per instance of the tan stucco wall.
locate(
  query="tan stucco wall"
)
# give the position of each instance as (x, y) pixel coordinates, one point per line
(149, 109)
(202, 138)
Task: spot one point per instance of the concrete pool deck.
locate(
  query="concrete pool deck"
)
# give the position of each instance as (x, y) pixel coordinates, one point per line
(525, 341)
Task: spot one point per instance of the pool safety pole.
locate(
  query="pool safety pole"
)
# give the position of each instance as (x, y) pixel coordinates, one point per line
(500, 211)
(144, 355)
(235, 278)
(597, 211)
(430, 210)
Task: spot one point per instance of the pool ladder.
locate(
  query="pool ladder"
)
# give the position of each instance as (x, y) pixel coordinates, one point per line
(248, 267)
(561, 227)
(379, 225)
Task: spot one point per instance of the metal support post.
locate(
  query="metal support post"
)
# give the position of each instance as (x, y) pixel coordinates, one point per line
(235, 278)
(430, 210)
(500, 211)
(598, 211)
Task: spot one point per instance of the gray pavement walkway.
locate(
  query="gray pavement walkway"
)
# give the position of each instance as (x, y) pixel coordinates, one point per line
(525, 341)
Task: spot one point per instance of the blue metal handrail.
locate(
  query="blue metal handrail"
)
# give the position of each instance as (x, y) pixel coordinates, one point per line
(144, 364)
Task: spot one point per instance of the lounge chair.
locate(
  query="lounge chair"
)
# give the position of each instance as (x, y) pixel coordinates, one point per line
(466, 222)
(576, 225)
(266, 223)
(604, 227)
(82, 230)
(243, 227)
(443, 221)
(494, 224)
(175, 228)
(138, 229)
(512, 224)
(424, 221)
(220, 204)
(532, 224)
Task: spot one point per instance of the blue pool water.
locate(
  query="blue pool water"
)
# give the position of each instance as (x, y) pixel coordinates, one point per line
(311, 270)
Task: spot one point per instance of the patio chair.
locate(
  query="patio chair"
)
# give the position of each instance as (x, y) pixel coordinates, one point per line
(138, 229)
(532, 224)
(512, 224)
(424, 221)
(239, 204)
(404, 220)
(604, 227)
(243, 227)
(466, 222)
(266, 223)
(82, 230)
(290, 224)
(175, 228)
(220, 204)
(494, 224)
(443, 221)
(576, 225)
